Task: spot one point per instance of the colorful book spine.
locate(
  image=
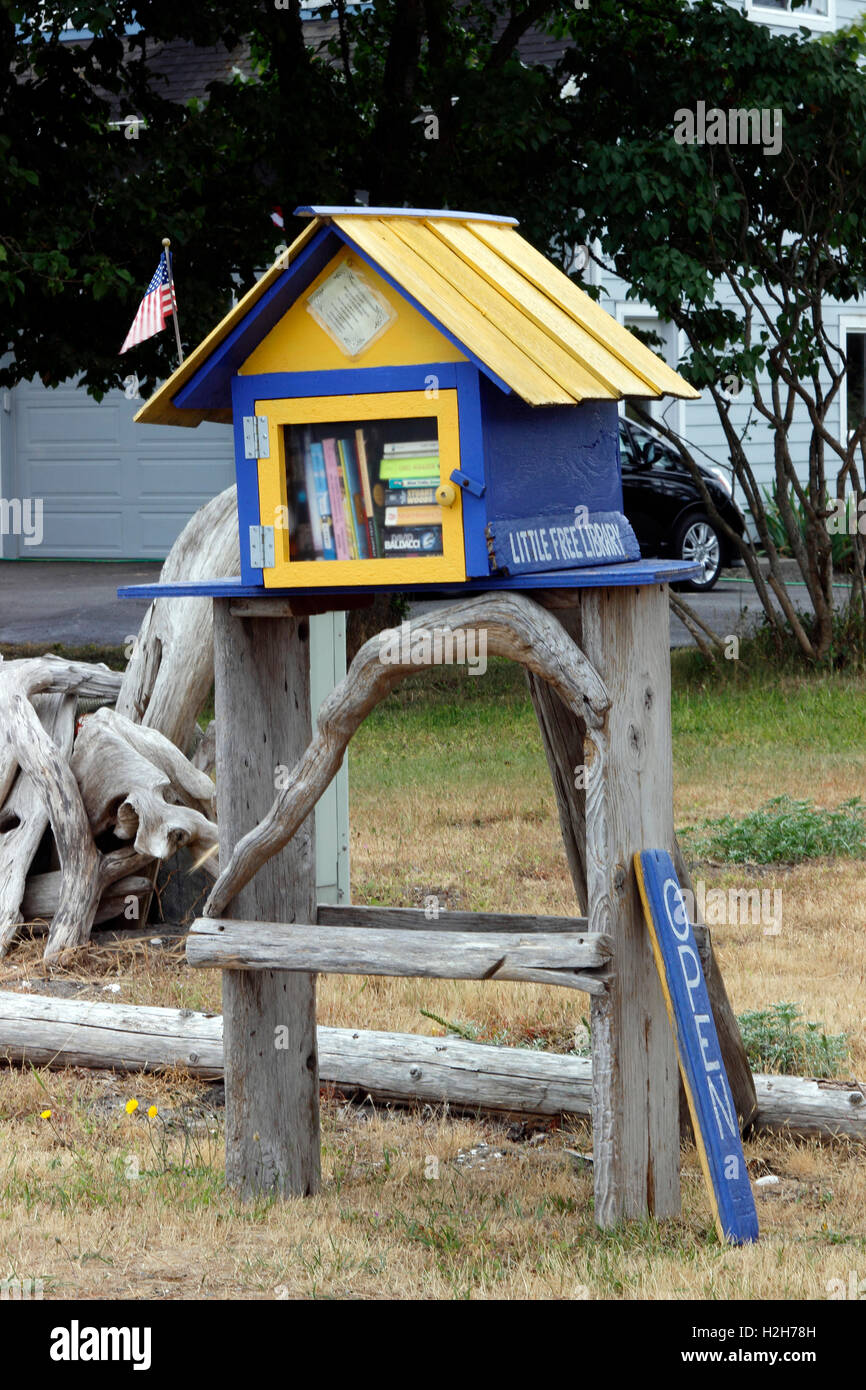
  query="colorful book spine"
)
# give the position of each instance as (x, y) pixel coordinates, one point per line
(349, 461)
(413, 540)
(408, 497)
(413, 516)
(414, 447)
(395, 484)
(367, 492)
(334, 475)
(312, 496)
(323, 504)
(345, 503)
(408, 466)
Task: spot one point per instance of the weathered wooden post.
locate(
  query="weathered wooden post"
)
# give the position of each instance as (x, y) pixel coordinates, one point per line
(423, 403)
(624, 633)
(262, 689)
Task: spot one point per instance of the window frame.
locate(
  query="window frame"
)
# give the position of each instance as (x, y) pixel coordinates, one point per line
(449, 567)
(848, 323)
(792, 19)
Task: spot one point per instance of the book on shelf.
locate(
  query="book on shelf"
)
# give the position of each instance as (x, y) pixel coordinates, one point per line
(408, 496)
(337, 494)
(413, 516)
(349, 464)
(412, 540)
(409, 466)
(381, 490)
(370, 518)
(323, 504)
(306, 460)
(412, 447)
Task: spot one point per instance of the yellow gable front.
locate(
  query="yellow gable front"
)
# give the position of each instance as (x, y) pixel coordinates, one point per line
(299, 344)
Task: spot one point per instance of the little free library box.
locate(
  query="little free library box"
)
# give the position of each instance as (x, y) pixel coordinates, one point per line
(419, 399)
(422, 402)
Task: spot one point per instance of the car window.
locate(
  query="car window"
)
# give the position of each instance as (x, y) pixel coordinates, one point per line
(665, 460)
(626, 447)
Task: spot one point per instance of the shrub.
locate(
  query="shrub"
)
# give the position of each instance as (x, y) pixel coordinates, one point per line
(778, 1039)
(781, 831)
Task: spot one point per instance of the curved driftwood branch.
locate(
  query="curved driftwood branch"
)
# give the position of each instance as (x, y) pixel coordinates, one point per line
(170, 672)
(120, 777)
(24, 816)
(51, 675)
(42, 761)
(136, 782)
(514, 627)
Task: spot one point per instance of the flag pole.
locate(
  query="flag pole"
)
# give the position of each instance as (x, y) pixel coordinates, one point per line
(167, 243)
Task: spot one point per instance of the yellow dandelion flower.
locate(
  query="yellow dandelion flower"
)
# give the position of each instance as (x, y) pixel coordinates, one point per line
(131, 1105)
(152, 1112)
(45, 1115)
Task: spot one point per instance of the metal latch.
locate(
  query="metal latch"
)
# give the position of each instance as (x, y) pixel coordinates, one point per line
(262, 553)
(468, 484)
(256, 439)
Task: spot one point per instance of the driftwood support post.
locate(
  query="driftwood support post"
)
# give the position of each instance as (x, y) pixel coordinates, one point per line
(600, 679)
(262, 697)
(606, 814)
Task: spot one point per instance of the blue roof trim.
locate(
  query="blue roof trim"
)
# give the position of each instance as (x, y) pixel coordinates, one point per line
(424, 312)
(210, 387)
(361, 211)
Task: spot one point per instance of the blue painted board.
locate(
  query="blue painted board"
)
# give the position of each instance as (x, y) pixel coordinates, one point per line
(361, 211)
(247, 475)
(354, 381)
(531, 545)
(634, 573)
(549, 459)
(711, 1104)
(472, 464)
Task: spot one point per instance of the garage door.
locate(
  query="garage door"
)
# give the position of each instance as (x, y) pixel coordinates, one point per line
(110, 489)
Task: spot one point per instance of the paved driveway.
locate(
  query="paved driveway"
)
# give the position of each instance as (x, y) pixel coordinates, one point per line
(75, 602)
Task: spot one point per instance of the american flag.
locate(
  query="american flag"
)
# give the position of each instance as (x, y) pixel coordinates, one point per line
(159, 301)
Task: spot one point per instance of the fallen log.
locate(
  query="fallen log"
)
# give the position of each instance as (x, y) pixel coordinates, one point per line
(43, 890)
(403, 1067)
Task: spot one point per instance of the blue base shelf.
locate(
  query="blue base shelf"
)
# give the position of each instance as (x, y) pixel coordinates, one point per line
(633, 572)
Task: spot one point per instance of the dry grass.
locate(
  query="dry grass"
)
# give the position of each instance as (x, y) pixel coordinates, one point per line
(469, 818)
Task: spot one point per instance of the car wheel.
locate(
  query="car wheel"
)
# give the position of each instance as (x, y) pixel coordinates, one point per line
(698, 541)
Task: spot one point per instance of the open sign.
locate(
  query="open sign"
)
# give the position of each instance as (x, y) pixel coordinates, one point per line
(711, 1104)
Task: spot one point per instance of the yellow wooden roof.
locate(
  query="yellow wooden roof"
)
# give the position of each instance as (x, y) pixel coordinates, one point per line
(506, 303)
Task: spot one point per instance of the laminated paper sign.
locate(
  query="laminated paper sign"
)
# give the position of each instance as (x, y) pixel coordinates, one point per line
(350, 310)
(711, 1104)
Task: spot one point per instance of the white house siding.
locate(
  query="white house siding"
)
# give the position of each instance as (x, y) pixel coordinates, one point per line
(110, 489)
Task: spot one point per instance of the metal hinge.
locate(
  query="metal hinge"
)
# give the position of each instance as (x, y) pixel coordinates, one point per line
(256, 439)
(468, 484)
(262, 554)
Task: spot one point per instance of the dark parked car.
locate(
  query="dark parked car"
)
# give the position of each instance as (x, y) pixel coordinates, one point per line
(666, 510)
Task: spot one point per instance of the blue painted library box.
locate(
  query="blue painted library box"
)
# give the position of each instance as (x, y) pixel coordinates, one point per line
(418, 398)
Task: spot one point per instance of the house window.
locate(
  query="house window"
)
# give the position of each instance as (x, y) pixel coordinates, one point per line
(855, 379)
(815, 14)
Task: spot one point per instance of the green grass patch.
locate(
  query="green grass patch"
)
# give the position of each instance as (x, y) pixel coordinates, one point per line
(113, 657)
(779, 1039)
(782, 831)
